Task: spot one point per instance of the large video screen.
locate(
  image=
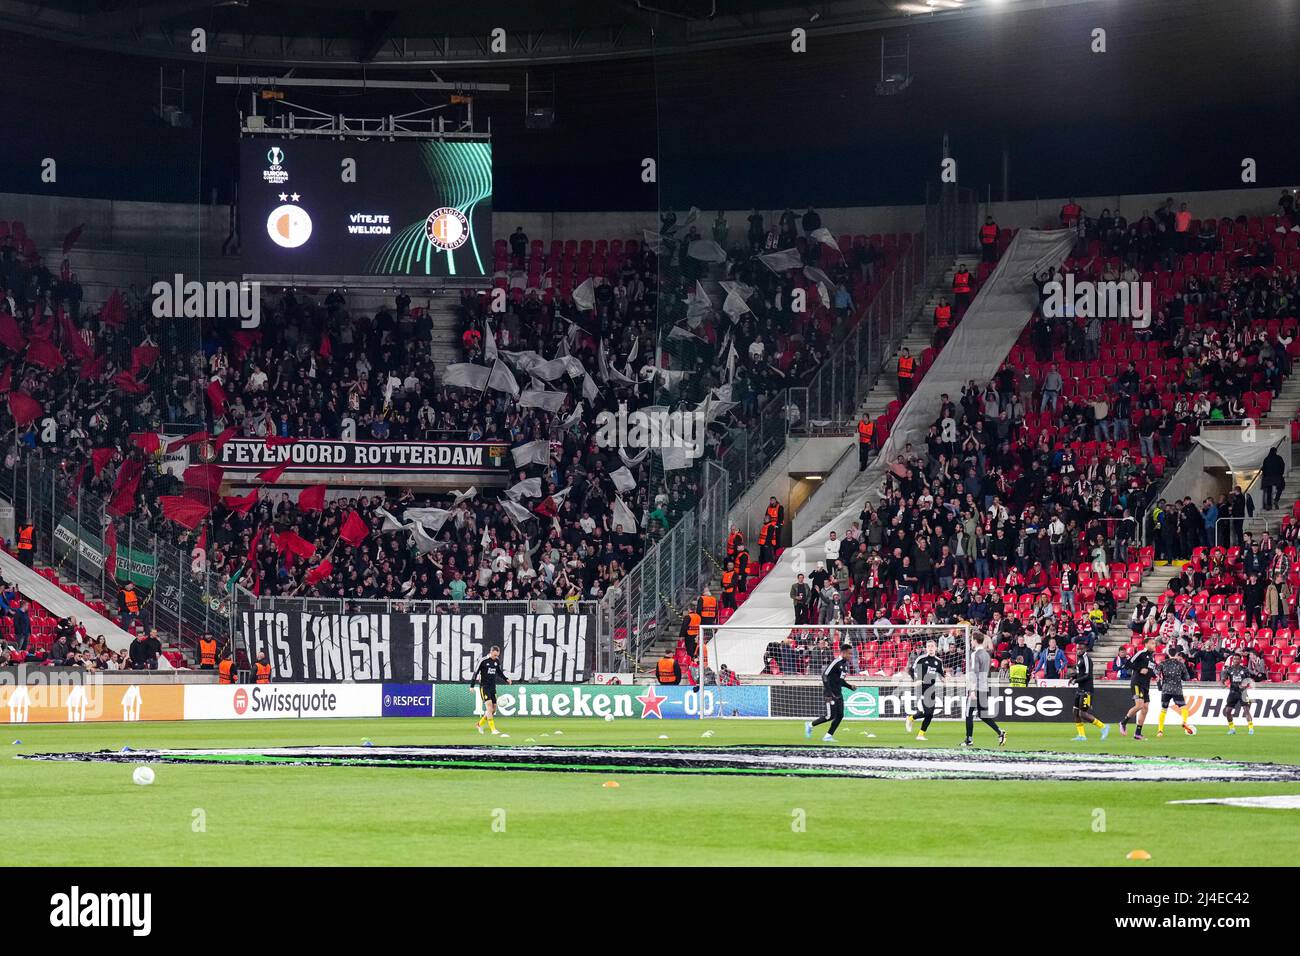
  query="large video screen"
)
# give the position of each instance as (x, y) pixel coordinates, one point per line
(323, 207)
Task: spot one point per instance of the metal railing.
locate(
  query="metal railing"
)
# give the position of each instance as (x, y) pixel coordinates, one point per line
(851, 370)
(69, 537)
(671, 573)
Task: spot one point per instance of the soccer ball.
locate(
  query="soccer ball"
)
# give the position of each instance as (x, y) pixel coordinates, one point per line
(143, 776)
(609, 717)
(1191, 731)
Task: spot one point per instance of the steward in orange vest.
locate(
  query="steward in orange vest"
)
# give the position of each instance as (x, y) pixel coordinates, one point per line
(207, 652)
(691, 632)
(866, 432)
(226, 672)
(667, 671)
(263, 670)
(961, 282)
(942, 323)
(775, 513)
(735, 541)
(25, 544)
(906, 372)
(767, 537)
(708, 607)
(989, 239)
(729, 586)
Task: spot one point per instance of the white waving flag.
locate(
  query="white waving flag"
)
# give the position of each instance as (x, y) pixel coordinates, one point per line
(390, 522)
(467, 375)
(783, 260)
(535, 451)
(623, 480)
(537, 398)
(584, 296)
(516, 510)
(489, 342)
(706, 250)
(528, 488)
(503, 380)
(623, 515)
(823, 235)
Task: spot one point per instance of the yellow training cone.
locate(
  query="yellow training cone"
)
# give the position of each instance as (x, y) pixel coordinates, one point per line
(610, 783)
(1139, 855)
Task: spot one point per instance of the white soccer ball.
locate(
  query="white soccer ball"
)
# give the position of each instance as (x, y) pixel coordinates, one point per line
(609, 717)
(1191, 731)
(143, 776)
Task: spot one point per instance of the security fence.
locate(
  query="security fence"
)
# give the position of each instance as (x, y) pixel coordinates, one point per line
(672, 572)
(69, 527)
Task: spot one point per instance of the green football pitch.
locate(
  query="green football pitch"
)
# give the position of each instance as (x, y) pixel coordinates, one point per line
(88, 813)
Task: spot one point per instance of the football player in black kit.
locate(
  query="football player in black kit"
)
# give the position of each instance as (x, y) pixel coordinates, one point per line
(1142, 666)
(486, 675)
(1083, 714)
(1238, 678)
(833, 683)
(927, 670)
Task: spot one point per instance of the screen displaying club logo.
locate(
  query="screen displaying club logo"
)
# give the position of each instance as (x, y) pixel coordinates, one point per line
(447, 228)
(289, 226)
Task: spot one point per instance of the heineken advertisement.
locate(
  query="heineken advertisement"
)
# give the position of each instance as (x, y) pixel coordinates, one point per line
(71, 539)
(638, 702)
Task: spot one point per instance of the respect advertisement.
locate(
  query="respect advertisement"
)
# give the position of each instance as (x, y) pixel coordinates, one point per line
(638, 702)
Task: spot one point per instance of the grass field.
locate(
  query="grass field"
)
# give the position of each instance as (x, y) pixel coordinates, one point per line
(91, 813)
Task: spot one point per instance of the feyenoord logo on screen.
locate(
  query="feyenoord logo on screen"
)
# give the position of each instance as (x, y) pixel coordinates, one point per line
(447, 228)
(288, 226)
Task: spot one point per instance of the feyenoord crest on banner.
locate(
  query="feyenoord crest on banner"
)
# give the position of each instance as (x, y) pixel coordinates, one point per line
(447, 228)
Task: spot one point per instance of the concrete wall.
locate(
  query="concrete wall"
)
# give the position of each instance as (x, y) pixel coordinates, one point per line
(801, 456)
(1042, 213)
(160, 226)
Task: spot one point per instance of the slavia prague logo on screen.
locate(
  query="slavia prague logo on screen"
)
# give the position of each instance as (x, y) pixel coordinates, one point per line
(447, 228)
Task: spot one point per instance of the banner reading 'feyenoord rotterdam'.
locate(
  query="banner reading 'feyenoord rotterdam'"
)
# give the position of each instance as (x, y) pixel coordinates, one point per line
(406, 647)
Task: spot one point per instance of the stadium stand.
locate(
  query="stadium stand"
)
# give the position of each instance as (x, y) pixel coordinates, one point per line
(1028, 517)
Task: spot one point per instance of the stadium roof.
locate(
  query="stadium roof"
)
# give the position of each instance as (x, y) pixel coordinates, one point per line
(421, 33)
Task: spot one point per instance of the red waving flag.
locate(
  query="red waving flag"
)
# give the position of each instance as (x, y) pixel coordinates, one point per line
(312, 498)
(125, 487)
(147, 442)
(272, 475)
(241, 505)
(217, 396)
(110, 548)
(44, 353)
(354, 529)
(294, 543)
(126, 382)
(10, 335)
(319, 573)
(143, 357)
(204, 477)
(73, 340)
(225, 436)
(183, 510)
(192, 439)
(92, 368)
(24, 408)
(101, 457)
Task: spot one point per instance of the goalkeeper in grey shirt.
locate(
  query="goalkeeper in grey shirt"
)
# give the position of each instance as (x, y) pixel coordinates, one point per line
(977, 691)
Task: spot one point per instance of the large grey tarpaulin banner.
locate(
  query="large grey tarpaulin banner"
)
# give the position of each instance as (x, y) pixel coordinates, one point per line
(395, 646)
